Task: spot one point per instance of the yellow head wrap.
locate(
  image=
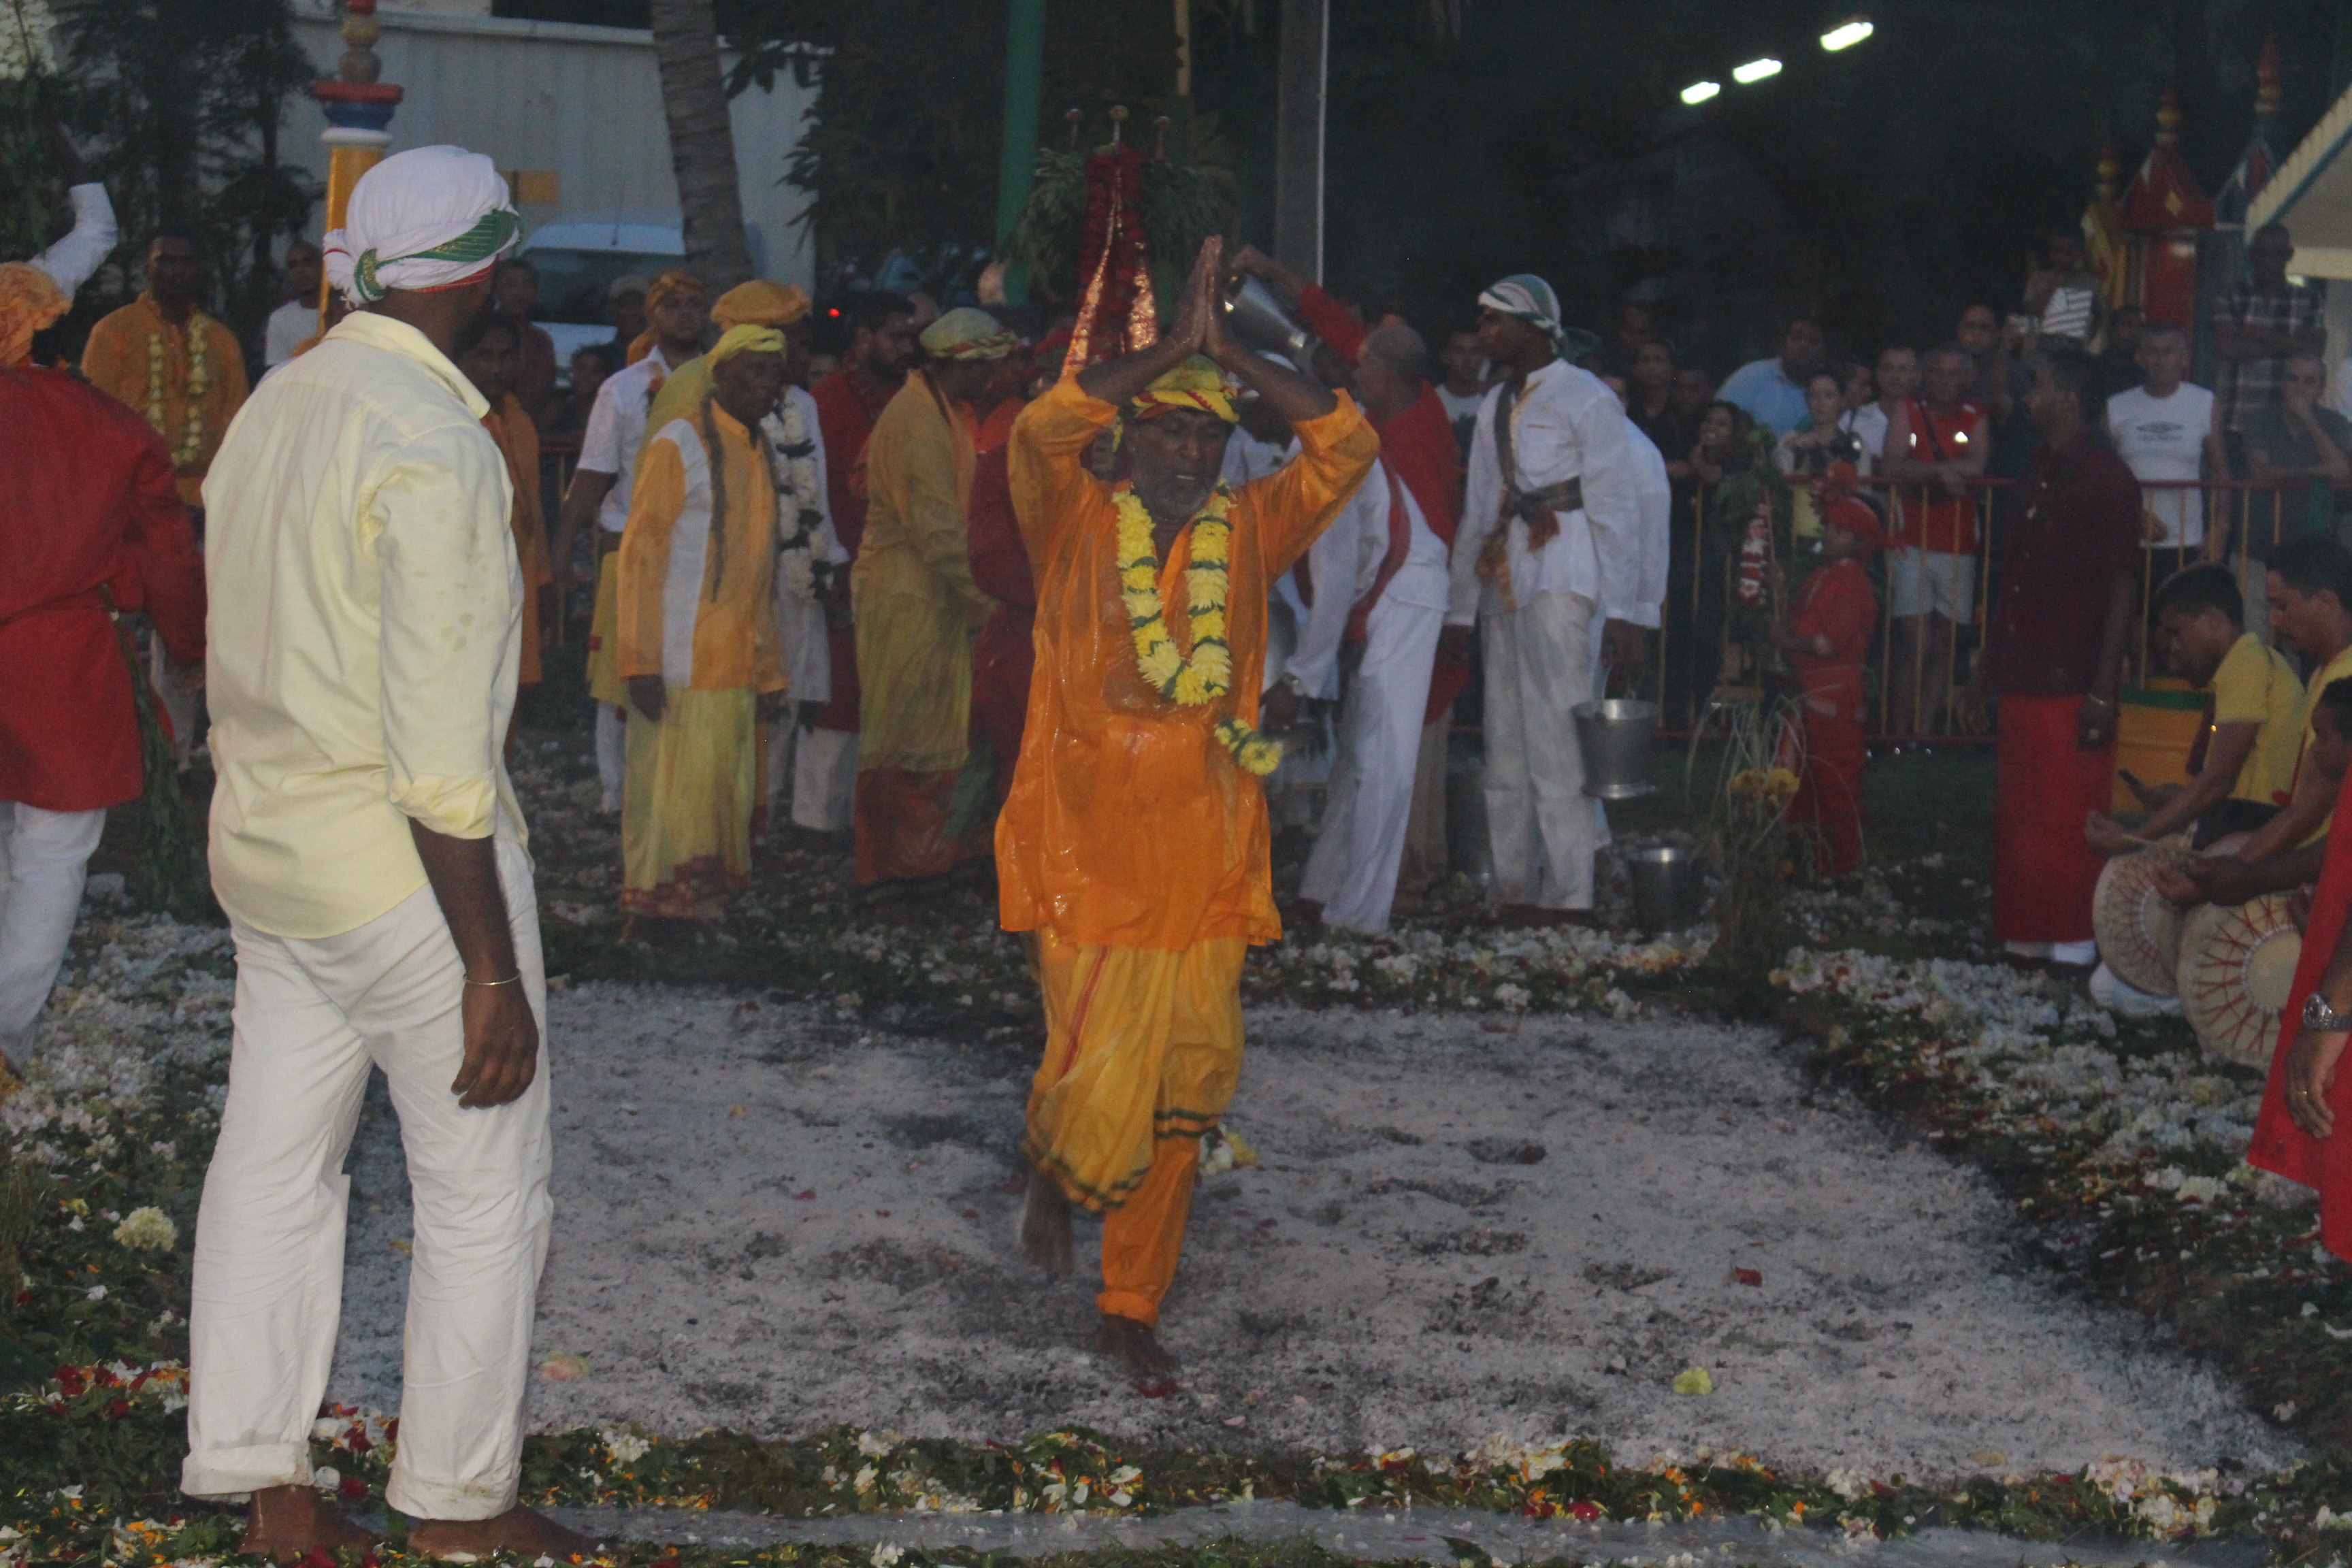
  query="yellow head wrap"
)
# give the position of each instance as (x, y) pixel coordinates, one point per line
(1196, 384)
(760, 303)
(674, 280)
(746, 340)
(29, 301)
(968, 332)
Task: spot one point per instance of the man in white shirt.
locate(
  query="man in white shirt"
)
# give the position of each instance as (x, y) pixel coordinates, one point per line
(1381, 583)
(367, 847)
(1897, 377)
(296, 321)
(1551, 538)
(678, 306)
(1464, 387)
(2164, 430)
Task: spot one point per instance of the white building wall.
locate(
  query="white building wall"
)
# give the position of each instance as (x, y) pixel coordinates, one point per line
(582, 102)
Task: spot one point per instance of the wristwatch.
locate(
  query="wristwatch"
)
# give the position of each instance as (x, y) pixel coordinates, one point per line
(2317, 1015)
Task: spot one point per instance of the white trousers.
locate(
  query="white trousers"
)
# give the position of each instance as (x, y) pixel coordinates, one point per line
(311, 1017)
(1539, 666)
(1353, 870)
(44, 861)
(611, 754)
(825, 779)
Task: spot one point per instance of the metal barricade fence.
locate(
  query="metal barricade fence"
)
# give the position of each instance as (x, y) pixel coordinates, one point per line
(1920, 668)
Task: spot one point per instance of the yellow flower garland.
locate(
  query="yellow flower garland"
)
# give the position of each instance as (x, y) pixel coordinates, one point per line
(1208, 675)
(192, 434)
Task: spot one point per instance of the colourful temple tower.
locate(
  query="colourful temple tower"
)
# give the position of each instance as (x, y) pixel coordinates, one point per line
(2163, 215)
(2265, 151)
(359, 114)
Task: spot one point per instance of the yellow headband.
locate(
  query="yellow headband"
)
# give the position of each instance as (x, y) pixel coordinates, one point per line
(746, 340)
(1197, 384)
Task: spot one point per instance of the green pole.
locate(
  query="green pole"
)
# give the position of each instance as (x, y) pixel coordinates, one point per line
(1016, 170)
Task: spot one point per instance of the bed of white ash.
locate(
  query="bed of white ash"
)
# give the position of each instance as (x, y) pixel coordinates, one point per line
(771, 1221)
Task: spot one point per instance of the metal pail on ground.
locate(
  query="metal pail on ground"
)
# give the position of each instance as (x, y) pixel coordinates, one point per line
(1614, 737)
(1468, 850)
(1667, 891)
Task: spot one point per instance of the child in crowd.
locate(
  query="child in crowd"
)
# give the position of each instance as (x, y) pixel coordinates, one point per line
(1826, 633)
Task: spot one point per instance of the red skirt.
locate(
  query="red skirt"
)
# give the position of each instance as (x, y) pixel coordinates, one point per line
(1828, 793)
(2045, 788)
(2280, 1146)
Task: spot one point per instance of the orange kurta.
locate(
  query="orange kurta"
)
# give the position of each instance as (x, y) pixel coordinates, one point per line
(141, 360)
(1128, 823)
(510, 424)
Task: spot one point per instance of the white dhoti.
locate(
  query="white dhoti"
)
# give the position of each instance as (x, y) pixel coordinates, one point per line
(1353, 870)
(1539, 666)
(311, 1017)
(808, 664)
(825, 779)
(44, 861)
(611, 754)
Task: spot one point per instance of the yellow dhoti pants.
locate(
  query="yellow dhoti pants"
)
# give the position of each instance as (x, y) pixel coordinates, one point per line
(685, 810)
(1143, 1048)
(605, 683)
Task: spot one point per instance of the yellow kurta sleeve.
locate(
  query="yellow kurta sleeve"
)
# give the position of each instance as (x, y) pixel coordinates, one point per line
(929, 468)
(1294, 506)
(658, 495)
(1047, 462)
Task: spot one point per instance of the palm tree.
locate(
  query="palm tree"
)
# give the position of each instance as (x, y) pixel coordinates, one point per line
(701, 141)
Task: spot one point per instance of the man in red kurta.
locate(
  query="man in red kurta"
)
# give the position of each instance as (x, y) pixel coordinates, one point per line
(848, 402)
(2054, 653)
(88, 507)
(1826, 634)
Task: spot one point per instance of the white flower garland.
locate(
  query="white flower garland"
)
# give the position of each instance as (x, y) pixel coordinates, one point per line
(791, 458)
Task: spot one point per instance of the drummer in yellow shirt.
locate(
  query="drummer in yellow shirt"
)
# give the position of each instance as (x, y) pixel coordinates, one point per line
(2242, 765)
(2309, 587)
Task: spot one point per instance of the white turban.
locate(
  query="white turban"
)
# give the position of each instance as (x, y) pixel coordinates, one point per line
(425, 219)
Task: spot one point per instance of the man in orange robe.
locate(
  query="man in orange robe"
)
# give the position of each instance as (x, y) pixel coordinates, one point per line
(1134, 844)
(493, 365)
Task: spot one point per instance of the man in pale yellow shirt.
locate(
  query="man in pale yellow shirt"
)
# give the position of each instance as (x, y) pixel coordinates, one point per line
(368, 848)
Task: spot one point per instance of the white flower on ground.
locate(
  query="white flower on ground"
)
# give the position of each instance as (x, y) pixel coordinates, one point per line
(886, 1555)
(326, 1478)
(147, 1230)
(95, 1292)
(626, 1447)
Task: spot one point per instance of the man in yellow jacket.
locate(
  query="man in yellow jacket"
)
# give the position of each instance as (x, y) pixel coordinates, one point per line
(916, 605)
(696, 602)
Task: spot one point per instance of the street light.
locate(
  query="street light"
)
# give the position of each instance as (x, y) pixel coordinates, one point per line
(1755, 72)
(1698, 92)
(1845, 35)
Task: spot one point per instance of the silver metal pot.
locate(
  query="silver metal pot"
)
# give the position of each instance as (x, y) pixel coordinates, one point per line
(1667, 891)
(1614, 736)
(1468, 849)
(1253, 311)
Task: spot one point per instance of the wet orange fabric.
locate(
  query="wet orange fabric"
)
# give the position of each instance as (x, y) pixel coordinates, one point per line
(1128, 823)
(510, 424)
(1143, 1239)
(899, 824)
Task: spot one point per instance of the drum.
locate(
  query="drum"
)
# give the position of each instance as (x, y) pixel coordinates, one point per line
(2235, 970)
(2138, 928)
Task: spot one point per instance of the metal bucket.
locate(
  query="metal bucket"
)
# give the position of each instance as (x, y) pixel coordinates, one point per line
(1253, 312)
(1667, 893)
(1614, 736)
(1468, 849)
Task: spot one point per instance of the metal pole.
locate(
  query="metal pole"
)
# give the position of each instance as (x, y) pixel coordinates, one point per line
(1298, 137)
(1016, 168)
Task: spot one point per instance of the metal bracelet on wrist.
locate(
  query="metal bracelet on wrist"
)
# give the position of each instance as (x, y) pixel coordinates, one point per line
(510, 980)
(2317, 1015)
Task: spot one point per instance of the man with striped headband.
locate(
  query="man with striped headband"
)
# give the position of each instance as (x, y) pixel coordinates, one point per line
(676, 305)
(697, 642)
(916, 606)
(1550, 540)
(368, 848)
(1135, 842)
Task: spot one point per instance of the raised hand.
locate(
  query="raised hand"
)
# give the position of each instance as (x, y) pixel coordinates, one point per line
(1201, 310)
